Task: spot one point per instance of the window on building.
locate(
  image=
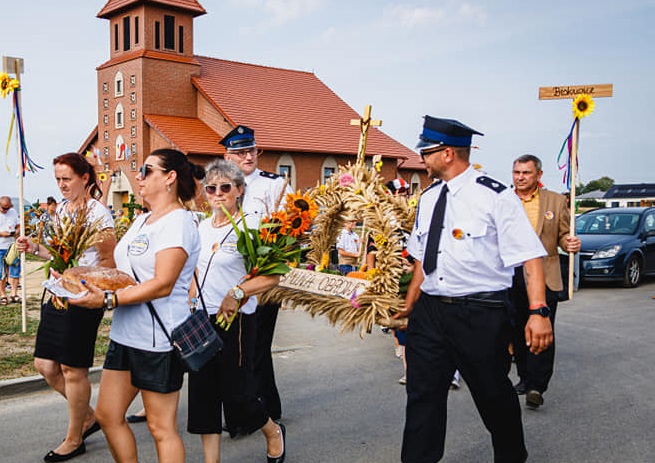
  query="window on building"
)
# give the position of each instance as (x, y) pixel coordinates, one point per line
(169, 32)
(105, 135)
(127, 40)
(107, 165)
(105, 103)
(105, 119)
(105, 87)
(118, 116)
(133, 114)
(133, 131)
(285, 171)
(136, 30)
(157, 34)
(116, 37)
(180, 39)
(327, 173)
(133, 149)
(105, 151)
(118, 84)
(133, 97)
(132, 80)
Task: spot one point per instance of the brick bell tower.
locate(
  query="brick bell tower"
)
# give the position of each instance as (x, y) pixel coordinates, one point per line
(149, 72)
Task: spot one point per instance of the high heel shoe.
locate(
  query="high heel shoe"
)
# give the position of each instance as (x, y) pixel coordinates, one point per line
(280, 458)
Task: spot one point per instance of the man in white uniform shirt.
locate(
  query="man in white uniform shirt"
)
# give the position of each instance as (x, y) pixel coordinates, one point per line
(264, 193)
(470, 233)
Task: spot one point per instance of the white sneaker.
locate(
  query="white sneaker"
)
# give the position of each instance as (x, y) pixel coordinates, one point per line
(403, 380)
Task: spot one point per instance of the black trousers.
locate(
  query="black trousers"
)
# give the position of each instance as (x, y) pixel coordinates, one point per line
(264, 373)
(473, 338)
(534, 370)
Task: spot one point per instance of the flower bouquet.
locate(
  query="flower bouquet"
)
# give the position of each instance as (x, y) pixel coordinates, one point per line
(68, 236)
(274, 247)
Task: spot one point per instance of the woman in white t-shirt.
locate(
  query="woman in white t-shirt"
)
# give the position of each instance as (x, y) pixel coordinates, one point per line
(227, 380)
(161, 250)
(65, 340)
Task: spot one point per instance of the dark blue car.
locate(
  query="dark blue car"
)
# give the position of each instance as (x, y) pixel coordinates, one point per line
(617, 244)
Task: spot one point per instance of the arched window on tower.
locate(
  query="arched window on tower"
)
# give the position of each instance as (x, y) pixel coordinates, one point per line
(119, 116)
(119, 84)
(329, 167)
(287, 168)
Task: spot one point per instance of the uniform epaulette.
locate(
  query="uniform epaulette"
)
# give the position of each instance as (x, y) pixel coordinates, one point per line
(270, 175)
(491, 183)
(432, 185)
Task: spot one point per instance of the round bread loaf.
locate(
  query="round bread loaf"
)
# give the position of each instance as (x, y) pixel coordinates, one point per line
(104, 278)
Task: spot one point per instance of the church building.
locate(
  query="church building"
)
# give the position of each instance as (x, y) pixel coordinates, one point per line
(153, 92)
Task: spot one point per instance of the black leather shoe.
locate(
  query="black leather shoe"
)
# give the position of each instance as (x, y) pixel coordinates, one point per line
(52, 456)
(136, 418)
(534, 399)
(521, 388)
(95, 427)
(279, 459)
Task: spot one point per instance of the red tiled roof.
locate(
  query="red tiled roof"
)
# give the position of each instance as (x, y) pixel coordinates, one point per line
(289, 110)
(187, 134)
(413, 162)
(114, 6)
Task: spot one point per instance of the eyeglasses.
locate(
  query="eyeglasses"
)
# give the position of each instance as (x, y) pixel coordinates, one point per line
(145, 169)
(224, 187)
(245, 152)
(5, 208)
(428, 152)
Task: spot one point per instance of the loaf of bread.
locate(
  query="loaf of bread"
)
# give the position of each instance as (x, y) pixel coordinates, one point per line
(104, 278)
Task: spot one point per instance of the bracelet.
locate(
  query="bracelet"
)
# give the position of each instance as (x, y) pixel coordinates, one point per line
(110, 300)
(36, 250)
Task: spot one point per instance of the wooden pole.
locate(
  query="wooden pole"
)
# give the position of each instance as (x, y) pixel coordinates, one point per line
(574, 168)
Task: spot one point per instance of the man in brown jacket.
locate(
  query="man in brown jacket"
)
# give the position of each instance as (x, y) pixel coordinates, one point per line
(549, 215)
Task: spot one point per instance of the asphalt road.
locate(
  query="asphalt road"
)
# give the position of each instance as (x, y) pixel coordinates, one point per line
(342, 401)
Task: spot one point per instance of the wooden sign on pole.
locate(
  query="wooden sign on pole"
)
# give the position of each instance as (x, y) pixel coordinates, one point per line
(14, 66)
(570, 92)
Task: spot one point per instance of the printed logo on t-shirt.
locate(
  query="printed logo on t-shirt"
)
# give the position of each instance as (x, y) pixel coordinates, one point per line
(229, 247)
(138, 246)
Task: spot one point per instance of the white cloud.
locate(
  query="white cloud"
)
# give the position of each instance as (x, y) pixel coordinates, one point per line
(411, 16)
(477, 13)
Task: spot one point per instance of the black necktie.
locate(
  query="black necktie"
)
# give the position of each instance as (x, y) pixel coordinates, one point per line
(430, 256)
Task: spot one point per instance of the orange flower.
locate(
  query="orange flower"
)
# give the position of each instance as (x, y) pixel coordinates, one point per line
(297, 203)
(298, 224)
(273, 226)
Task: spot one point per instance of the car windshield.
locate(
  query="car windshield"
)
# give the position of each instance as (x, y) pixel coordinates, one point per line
(616, 223)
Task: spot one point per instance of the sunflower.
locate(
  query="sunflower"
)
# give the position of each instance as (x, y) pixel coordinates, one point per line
(7, 84)
(272, 226)
(298, 224)
(298, 203)
(583, 105)
(102, 176)
(380, 240)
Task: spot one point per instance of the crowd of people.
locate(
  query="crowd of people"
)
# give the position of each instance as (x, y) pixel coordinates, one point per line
(485, 285)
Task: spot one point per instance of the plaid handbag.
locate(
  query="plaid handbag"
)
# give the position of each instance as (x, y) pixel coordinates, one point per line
(194, 340)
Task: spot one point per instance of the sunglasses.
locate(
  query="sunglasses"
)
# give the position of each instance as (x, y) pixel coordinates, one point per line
(6, 208)
(145, 169)
(224, 187)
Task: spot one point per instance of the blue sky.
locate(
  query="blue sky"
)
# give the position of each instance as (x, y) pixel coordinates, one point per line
(479, 62)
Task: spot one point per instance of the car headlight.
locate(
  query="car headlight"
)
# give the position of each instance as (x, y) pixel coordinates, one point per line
(607, 252)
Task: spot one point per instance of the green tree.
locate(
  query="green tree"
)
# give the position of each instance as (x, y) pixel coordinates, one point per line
(602, 184)
(131, 206)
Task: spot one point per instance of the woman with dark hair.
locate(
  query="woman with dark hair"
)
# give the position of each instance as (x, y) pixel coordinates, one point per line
(161, 251)
(65, 340)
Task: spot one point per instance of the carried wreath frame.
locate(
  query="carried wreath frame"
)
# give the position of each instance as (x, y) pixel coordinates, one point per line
(355, 192)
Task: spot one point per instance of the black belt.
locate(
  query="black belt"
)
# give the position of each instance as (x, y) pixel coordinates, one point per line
(489, 298)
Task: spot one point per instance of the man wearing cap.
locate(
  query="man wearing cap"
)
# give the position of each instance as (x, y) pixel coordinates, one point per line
(549, 216)
(469, 234)
(264, 193)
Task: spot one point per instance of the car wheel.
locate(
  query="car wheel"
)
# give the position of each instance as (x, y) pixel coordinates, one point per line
(632, 274)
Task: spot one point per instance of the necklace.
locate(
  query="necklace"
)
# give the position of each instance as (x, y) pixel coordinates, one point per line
(221, 223)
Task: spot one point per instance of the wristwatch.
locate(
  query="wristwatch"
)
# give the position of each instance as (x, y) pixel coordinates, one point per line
(236, 293)
(544, 311)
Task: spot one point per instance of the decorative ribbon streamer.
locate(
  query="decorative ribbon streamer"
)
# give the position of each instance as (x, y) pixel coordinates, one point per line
(566, 164)
(27, 164)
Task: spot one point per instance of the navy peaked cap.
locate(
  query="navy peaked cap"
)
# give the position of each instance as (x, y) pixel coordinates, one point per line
(447, 132)
(240, 137)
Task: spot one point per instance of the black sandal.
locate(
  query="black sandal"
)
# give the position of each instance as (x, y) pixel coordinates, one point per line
(4, 300)
(16, 300)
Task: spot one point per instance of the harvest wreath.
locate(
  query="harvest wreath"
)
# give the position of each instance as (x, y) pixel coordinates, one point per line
(355, 192)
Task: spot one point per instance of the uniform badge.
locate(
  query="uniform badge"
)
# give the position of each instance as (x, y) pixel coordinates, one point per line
(549, 215)
(458, 234)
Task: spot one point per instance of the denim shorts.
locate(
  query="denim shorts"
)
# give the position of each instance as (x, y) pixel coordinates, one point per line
(14, 270)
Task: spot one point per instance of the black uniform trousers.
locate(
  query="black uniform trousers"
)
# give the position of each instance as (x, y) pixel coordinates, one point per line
(227, 380)
(264, 373)
(473, 338)
(534, 370)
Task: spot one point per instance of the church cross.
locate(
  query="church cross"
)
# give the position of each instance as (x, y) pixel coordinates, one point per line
(364, 123)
